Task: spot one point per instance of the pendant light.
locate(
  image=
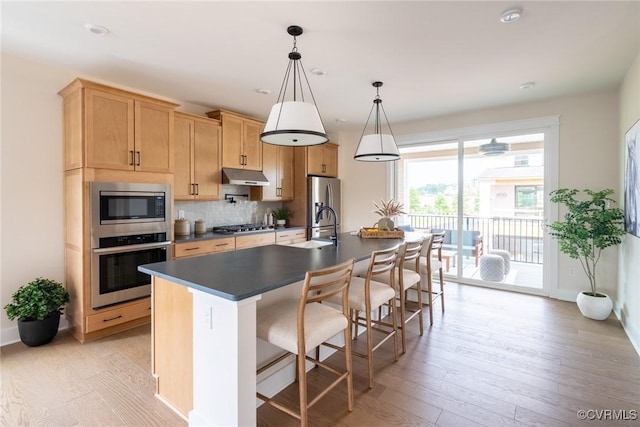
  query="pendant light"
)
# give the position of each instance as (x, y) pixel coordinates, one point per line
(493, 148)
(297, 122)
(377, 147)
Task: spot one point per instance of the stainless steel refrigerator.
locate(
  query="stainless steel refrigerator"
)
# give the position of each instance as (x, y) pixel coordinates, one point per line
(322, 192)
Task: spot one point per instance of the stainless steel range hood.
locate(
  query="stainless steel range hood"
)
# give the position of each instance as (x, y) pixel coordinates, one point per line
(244, 177)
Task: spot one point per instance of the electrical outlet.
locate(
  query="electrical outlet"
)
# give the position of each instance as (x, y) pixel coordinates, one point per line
(180, 214)
(572, 272)
(208, 317)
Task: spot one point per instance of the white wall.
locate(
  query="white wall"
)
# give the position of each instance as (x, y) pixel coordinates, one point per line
(588, 158)
(628, 290)
(31, 178)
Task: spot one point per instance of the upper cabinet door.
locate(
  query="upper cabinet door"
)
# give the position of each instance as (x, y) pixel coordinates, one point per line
(232, 135)
(331, 160)
(252, 146)
(241, 145)
(183, 180)
(153, 137)
(206, 160)
(322, 160)
(270, 170)
(109, 125)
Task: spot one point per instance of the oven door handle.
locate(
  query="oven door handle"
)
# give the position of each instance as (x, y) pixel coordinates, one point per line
(131, 248)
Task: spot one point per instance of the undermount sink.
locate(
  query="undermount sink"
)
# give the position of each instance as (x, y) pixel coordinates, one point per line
(312, 244)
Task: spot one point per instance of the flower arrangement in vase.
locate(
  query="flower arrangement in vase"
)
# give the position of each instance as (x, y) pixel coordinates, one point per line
(387, 210)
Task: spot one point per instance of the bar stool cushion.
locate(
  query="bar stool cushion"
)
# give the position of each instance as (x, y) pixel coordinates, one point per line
(409, 278)
(506, 256)
(380, 293)
(278, 324)
(492, 268)
(435, 265)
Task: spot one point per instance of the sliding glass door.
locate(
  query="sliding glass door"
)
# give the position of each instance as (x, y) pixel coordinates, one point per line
(488, 195)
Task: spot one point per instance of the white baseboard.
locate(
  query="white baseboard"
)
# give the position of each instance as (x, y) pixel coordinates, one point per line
(11, 335)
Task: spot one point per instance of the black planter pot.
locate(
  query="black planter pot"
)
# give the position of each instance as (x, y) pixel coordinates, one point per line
(38, 332)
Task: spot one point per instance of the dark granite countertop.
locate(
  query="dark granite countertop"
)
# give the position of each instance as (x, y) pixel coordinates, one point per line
(242, 274)
(211, 235)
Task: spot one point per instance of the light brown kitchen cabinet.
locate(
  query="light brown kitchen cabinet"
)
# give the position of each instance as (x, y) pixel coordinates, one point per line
(241, 145)
(110, 135)
(291, 236)
(253, 240)
(204, 247)
(108, 128)
(322, 160)
(197, 158)
(277, 166)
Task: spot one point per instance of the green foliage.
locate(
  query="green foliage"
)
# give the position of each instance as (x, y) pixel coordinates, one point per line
(589, 226)
(37, 300)
(440, 205)
(282, 213)
(414, 201)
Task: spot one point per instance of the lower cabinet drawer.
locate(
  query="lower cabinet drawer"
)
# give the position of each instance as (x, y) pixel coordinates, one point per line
(122, 314)
(253, 240)
(203, 247)
(293, 236)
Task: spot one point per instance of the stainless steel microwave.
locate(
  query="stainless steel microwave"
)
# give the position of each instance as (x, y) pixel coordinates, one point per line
(122, 209)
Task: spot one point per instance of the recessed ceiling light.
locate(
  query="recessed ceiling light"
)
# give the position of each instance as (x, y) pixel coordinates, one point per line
(98, 30)
(263, 91)
(527, 85)
(511, 15)
(318, 72)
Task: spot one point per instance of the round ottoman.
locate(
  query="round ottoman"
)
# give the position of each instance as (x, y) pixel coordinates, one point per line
(492, 268)
(506, 256)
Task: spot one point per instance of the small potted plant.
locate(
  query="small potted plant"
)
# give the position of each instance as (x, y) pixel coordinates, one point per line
(281, 215)
(37, 306)
(590, 225)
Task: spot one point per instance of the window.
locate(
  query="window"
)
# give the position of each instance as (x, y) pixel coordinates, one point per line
(529, 199)
(521, 161)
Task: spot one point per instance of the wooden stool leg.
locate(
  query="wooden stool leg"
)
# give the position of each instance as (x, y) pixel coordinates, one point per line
(430, 297)
(403, 316)
(302, 389)
(369, 348)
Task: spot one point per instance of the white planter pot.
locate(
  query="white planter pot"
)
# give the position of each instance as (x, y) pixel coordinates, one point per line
(596, 308)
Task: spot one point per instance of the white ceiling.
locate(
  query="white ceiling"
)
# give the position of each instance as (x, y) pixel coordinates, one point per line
(434, 58)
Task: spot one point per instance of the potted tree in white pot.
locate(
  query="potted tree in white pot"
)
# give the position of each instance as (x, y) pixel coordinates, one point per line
(590, 225)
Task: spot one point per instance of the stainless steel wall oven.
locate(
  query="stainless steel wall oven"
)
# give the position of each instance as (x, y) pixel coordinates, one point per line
(130, 226)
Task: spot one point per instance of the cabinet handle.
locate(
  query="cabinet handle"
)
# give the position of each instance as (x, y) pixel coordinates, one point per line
(139, 158)
(197, 189)
(131, 157)
(222, 244)
(193, 189)
(192, 249)
(113, 318)
(244, 162)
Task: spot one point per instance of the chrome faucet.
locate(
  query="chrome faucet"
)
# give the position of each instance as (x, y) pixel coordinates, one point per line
(334, 236)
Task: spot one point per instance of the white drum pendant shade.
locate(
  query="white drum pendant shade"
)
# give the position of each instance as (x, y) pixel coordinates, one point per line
(294, 123)
(377, 148)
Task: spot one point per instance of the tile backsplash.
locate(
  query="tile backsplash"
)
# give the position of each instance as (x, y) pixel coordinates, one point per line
(244, 211)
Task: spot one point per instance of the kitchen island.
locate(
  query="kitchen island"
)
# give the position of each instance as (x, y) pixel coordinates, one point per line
(204, 312)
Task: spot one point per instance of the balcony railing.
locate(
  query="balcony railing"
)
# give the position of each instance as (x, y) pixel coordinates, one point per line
(522, 237)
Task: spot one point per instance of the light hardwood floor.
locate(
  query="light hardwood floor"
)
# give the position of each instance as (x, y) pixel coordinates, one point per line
(493, 359)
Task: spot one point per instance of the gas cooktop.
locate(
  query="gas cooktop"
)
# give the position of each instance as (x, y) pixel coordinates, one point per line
(242, 228)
